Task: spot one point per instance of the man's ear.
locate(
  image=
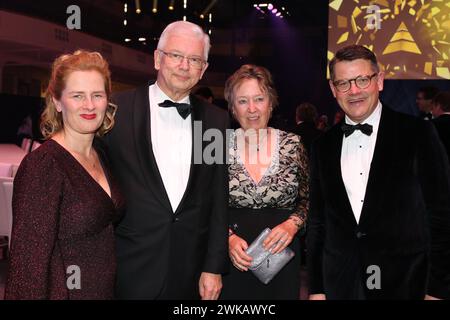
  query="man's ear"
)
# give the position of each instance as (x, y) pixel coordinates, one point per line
(204, 69)
(380, 81)
(157, 59)
(333, 89)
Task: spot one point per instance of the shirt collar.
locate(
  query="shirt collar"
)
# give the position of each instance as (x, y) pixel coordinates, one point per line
(160, 96)
(373, 119)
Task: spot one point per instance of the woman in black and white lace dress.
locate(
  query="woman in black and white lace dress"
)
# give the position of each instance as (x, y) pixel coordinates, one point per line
(268, 185)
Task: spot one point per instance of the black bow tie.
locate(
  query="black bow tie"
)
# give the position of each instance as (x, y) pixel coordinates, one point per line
(184, 109)
(348, 129)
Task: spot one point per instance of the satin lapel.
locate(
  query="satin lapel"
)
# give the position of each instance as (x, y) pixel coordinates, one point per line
(380, 168)
(197, 114)
(337, 195)
(142, 124)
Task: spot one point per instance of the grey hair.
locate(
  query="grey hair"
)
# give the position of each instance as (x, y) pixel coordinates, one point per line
(185, 27)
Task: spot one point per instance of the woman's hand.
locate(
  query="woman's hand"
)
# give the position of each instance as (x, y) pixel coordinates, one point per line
(236, 250)
(281, 236)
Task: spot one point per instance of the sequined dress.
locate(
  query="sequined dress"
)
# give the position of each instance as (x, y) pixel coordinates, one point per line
(62, 239)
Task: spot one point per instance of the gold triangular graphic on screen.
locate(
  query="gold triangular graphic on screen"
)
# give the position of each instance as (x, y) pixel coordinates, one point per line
(402, 41)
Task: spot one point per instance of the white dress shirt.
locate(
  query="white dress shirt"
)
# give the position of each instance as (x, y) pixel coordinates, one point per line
(356, 157)
(171, 143)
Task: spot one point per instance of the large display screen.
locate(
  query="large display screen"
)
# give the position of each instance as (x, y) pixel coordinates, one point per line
(411, 38)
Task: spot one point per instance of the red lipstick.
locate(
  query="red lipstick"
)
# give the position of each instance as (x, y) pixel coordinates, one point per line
(88, 116)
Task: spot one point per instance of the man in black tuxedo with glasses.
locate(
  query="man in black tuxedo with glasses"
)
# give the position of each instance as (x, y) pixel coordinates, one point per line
(379, 220)
(172, 242)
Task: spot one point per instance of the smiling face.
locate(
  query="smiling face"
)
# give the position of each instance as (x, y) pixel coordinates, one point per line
(176, 79)
(251, 105)
(358, 104)
(83, 102)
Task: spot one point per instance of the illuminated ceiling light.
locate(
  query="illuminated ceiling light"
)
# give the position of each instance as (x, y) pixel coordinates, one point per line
(274, 10)
(270, 6)
(202, 16)
(262, 5)
(125, 8)
(278, 14)
(127, 39)
(282, 8)
(210, 17)
(208, 8)
(154, 10)
(184, 18)
(171, 5)
(155, 6)
(209, 31)
(142, 39)
(138, 6)
(255, 5)
(184, 5)
(125, 22)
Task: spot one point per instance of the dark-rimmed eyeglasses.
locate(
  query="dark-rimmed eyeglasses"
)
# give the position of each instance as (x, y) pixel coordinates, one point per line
(362, 82)
(194, 62)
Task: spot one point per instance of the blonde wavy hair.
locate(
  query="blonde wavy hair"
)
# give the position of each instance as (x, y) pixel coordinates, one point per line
(63, 66)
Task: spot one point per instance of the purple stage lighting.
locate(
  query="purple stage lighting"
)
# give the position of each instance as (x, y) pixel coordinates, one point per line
(270, 6)
(274, 10)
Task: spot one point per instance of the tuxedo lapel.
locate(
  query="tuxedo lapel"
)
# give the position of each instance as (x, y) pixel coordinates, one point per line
(380, 168)
(142, 123)
(333, 173)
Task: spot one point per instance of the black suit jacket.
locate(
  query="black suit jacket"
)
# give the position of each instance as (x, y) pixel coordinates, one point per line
(442, 124)
(404, 227)
(161, 253)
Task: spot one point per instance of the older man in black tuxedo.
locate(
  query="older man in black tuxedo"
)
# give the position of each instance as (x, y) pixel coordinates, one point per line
(172, 242)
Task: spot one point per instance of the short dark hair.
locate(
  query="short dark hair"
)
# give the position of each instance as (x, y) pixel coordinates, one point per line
(306, 111)
(443, 100)
(351, 53)
(429, 92)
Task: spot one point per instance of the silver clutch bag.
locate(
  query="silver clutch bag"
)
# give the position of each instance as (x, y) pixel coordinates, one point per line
(266, 265)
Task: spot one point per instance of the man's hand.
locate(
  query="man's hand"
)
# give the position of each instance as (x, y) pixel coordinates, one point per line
(210, 285)
(317, 296)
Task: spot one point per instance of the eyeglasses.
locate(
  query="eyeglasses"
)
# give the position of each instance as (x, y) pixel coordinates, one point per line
(361, 82)
(194, 62)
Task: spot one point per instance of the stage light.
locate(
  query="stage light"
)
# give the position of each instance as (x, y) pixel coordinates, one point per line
(208, 8)
(210, 18)
(274, 10)
(138, 6)
(142, 39)
(270, 6)
(125, 22)
(185, 4)
(278, 14)
(171, 7)
(262, 5)
(127, 39)
(125, 8)
(255, 5)
(155, 6)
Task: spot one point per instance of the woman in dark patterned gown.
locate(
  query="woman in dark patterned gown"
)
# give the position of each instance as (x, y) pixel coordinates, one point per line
(268, 184)
(65, 201)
